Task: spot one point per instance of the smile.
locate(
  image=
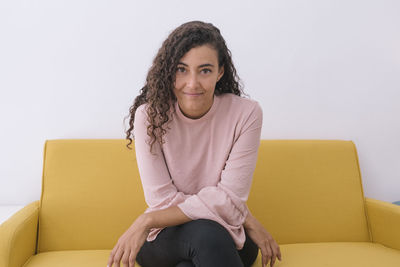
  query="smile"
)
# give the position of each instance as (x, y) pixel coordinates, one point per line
(192, 94)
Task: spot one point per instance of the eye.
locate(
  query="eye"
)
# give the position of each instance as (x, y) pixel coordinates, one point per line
(206, 71)
(180, 69)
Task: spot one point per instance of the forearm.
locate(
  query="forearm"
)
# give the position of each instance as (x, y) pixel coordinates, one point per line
(248, 223)
(167, 217)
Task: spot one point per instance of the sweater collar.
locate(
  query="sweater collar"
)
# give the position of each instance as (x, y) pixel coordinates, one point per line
(206, 116)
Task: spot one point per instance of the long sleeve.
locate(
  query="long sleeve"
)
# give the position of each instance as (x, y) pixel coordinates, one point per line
(226, 202)
(205, 167)
(159, 190)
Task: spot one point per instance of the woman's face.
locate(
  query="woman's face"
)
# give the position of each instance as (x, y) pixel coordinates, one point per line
(195, 81)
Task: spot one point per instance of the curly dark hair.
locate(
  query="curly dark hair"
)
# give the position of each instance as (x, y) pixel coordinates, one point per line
(158, 89)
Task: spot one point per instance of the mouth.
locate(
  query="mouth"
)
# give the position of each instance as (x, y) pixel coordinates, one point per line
(192, 94)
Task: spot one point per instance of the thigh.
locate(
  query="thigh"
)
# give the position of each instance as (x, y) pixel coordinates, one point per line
(185, 264)
(249, 252)
(165, 251)
(203, 242)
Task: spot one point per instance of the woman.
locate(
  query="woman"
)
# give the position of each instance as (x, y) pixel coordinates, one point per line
(196, 143)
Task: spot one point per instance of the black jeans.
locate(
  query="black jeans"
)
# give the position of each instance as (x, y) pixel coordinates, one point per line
(200, 243)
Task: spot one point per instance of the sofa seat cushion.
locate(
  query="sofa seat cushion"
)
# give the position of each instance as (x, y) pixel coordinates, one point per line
(87, 258)
(343, 254)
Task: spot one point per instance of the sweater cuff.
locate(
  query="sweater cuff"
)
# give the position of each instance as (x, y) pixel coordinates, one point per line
(194, 208)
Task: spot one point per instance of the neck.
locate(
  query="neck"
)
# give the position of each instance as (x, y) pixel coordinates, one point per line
(195, 114)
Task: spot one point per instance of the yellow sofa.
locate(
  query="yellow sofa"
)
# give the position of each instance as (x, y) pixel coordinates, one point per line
(307, 193)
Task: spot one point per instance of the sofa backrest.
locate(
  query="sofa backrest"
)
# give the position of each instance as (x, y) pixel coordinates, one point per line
(91, 194)
(303, 191)
(309, 191)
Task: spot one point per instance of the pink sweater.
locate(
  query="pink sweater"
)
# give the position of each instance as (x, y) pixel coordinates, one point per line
(205, 166)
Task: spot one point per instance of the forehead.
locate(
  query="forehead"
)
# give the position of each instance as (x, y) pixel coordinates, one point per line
(200, 54)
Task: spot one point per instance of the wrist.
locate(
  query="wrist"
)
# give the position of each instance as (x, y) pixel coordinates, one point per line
(146, 221)
(248, 223)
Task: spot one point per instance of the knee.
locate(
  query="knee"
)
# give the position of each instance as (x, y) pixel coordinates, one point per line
(185, 264)
(209, 234)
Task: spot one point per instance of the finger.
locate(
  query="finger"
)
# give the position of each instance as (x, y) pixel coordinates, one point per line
(262, 258)
(274, 253)
(264, 255)
(125, 258)
(132, 259)
(273, 260)
(110, 259)
(269, 252)
(112, 254)
(117, 257)
(279, 254)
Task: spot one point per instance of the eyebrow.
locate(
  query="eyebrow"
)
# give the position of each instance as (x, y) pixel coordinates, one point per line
(202, 65)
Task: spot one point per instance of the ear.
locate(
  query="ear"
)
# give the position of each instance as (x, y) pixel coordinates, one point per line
(221, 73)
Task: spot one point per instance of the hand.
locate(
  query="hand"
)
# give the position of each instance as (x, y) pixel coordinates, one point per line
(129, 243)
(268, 246)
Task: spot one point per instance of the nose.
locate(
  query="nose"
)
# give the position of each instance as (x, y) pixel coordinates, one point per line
(192, 81)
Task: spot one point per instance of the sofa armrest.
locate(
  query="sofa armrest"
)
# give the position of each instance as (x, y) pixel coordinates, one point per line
(18, 236)
(384, 222)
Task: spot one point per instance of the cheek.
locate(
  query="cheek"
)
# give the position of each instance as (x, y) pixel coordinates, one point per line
(178, 83)
(210, 84)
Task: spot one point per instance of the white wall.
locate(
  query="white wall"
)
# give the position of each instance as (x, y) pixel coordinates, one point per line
(320, 70)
